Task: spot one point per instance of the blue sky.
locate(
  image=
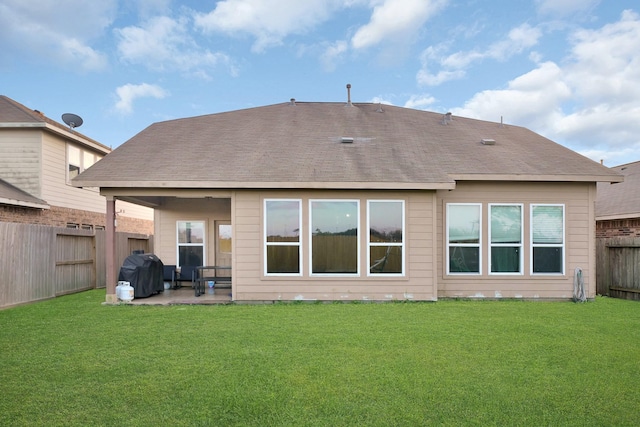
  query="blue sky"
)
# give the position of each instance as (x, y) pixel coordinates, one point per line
(567, 69)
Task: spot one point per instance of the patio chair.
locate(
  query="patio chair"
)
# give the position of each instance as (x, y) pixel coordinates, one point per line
(169, 274)
(188, 273)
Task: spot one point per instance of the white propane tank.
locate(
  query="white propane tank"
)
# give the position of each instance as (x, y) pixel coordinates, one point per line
(126, 292)
(119, 289)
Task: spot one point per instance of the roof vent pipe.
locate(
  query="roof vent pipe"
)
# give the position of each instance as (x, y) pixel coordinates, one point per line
(379, 110)
(447, 118)
(292, 101)
(349, 94)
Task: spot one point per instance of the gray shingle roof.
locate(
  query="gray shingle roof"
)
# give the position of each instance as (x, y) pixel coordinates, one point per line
(620, 200)
(288, 146)
(15, 115)
(11, 195)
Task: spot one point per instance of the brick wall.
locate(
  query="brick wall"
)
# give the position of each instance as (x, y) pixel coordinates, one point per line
(61, 217)
(618, 228)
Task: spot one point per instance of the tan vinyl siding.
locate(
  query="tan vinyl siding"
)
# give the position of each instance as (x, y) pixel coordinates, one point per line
(58, 192)
(176, 209)
(21, 159)
(417, 284)
(131, 210)
(247, 239)
(55, 189)
(578, 199)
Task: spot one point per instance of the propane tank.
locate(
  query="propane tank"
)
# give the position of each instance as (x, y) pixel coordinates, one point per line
(119, 289)
(126, 291)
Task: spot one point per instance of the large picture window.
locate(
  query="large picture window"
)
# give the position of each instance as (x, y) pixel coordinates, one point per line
(505, 233)
(464, 222)
(386, 236)
(547, 239)
(334, 236)
(191, 243)
(282, 237)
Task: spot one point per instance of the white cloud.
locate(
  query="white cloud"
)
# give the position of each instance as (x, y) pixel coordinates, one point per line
(591, 103)
(395, 19)
(519, 39)
(426, 79)
(380, 100)
(164, 44)
(562, 8)
(420, 102)
(128, 93)
(333, 54)
(430, 56)
(453, 66)
(74, 52)
(604, 72)
(533, 98)
(58, 31)
(605, 62)
(269, 21)
(149, 8)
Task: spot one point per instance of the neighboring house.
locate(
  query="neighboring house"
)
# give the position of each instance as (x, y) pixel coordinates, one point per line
(38, 159)
(361, 201)
(618, 235)
(618, 204)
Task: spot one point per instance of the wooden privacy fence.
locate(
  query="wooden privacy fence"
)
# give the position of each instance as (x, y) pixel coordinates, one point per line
(39, 262)
(618, 267)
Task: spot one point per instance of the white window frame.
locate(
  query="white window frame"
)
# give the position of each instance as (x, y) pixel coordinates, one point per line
(86, 160)
(298, 243)
(203, 244)
(509, 245)
(69, 162)
(310, 234)
(550, 245)
(470, 245)
(370, 244)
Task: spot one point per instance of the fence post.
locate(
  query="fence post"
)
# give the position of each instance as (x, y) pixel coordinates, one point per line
(110, 253)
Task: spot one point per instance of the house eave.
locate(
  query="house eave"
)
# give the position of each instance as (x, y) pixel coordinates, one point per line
(632, 215)
(539, 178)
(23, 203)
(14, 125)
(61, 131)
(79, 138)
(267, 185)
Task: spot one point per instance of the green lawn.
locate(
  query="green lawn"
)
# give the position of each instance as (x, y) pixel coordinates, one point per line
(72, 361)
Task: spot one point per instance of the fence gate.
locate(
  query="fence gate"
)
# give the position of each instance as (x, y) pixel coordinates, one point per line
(75, 265)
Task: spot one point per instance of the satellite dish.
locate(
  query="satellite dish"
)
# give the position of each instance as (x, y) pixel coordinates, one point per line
(72, 120)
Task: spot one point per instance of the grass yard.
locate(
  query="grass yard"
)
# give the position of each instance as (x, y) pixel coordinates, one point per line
(72, 361)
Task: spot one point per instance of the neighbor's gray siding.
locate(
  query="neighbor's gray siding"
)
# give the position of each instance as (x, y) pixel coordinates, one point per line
(20, 159)
(55, 189)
